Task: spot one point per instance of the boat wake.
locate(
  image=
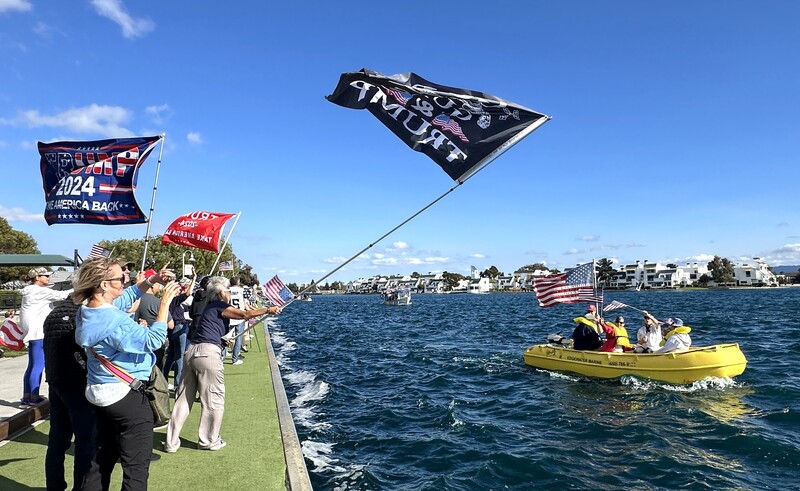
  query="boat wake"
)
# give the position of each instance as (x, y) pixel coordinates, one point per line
(707, 384)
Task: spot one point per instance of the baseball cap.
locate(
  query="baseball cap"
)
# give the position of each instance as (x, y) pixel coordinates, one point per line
(592, 308)
(40, 271)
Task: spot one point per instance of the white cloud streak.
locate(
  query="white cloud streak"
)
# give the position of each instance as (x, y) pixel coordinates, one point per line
(20, 215)
(93, 119)
(15, 5)
(132, 27)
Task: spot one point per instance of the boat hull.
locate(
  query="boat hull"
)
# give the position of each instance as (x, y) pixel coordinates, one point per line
(681, 367)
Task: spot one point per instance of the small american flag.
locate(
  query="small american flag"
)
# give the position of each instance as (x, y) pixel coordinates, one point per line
(451, 125)
(226, 266)
(98, 251)
(276, 292)
(576, 285)
(11, 335)
(400, 96)
(614, 306)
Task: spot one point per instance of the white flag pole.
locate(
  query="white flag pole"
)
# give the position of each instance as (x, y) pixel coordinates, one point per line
(216, 261)
(152, 202)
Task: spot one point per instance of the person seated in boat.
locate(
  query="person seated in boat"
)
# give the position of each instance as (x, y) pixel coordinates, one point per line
(616, 336)
(586, 335)
(648, 338)
(677, 338)
(591, 313)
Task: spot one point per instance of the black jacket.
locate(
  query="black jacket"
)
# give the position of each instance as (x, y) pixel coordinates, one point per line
(62, 355)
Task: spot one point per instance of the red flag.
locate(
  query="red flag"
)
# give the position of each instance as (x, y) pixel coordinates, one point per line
(200, 229)
(11, 335)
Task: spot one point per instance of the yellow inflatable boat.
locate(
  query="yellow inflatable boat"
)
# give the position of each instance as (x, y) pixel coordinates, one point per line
(680, 367)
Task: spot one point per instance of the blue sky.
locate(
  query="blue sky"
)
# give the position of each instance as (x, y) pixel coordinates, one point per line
(674, 135)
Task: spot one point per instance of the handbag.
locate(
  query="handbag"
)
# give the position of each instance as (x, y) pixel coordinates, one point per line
(155, 389)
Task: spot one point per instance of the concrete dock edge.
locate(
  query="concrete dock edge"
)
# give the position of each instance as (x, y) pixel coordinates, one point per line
(297, 478)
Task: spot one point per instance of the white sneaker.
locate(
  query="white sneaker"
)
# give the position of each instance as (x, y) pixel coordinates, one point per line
(238, 362)
(221, 443)
(170, 387)
(168, 449)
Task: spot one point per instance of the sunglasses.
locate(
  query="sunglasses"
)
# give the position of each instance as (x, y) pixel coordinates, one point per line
(120, 279)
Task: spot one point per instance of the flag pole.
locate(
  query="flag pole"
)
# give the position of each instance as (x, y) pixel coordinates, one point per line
(152, 202)
(461, 180)
(216, 261)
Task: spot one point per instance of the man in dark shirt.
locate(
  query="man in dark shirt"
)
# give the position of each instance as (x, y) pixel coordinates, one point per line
(147, 311)
(70, 412)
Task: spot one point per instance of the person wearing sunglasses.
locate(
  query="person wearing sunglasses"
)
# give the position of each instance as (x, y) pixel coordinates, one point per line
(108, 334)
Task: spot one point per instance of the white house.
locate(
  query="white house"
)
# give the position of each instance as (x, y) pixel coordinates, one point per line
(479, 285)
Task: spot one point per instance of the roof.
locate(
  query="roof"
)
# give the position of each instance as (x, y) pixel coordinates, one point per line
(35, 260)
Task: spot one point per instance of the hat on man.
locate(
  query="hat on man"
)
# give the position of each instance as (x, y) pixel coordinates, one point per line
(592, 308)
(677, 322)
(40, 271)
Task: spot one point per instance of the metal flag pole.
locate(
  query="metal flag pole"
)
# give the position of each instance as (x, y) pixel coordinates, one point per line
(216, 261)
(152, 202)
(461, 180)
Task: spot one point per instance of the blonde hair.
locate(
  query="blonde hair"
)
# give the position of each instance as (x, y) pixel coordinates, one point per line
(88, 278)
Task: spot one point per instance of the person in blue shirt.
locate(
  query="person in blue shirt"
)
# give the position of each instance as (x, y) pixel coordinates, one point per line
(104, 329)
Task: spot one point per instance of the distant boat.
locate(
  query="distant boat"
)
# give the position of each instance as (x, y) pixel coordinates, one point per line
(636, 288)
(305, 298)
(397, 297)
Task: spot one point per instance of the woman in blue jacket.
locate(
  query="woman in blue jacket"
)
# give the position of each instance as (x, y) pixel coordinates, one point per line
(104, 329)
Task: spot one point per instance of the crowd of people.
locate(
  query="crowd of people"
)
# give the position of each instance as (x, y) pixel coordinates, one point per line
(592, 332)
(97, 345)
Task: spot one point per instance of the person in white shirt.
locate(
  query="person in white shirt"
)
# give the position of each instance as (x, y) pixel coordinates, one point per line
(238, 325)
(37, 302)
(677, 338)
(648, 338)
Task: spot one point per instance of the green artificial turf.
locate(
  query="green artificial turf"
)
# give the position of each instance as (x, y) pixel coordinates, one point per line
(253, 458)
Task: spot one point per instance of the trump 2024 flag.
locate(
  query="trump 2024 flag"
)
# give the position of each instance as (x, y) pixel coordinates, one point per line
(93, 181)
(199, 229)
(461, 130)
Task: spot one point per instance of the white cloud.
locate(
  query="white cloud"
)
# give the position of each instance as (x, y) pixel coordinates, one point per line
(93, 119)
(194, 138)
(400, 245)
(589, 238)
(131, 27)
(18, 5)
(160, 114)
(478, 255)
(20, 215)
(701, 258)
(335, 260)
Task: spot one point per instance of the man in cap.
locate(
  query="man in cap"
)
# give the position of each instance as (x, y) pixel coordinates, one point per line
(677, 337)
(37, 302)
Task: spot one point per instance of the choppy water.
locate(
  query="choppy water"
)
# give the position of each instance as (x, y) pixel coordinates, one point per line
(436, 396)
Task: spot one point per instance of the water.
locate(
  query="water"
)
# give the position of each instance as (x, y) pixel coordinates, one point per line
(435, 396)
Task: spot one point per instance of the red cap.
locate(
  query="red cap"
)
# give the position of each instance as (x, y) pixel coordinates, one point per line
(152, 272)
(592, 308)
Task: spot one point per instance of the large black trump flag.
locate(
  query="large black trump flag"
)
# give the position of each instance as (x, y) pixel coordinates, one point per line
(461, 130)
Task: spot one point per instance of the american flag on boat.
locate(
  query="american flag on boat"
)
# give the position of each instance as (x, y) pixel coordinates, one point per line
(276, 292)
(575, 285)
(614, 306)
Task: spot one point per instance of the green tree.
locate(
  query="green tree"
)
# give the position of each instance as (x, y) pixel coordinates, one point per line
(530, 268)
(704, 279)
(451, 279)
(492, 273)
(15, 242)
(721, 270)
(159, 254)
(605, 270)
